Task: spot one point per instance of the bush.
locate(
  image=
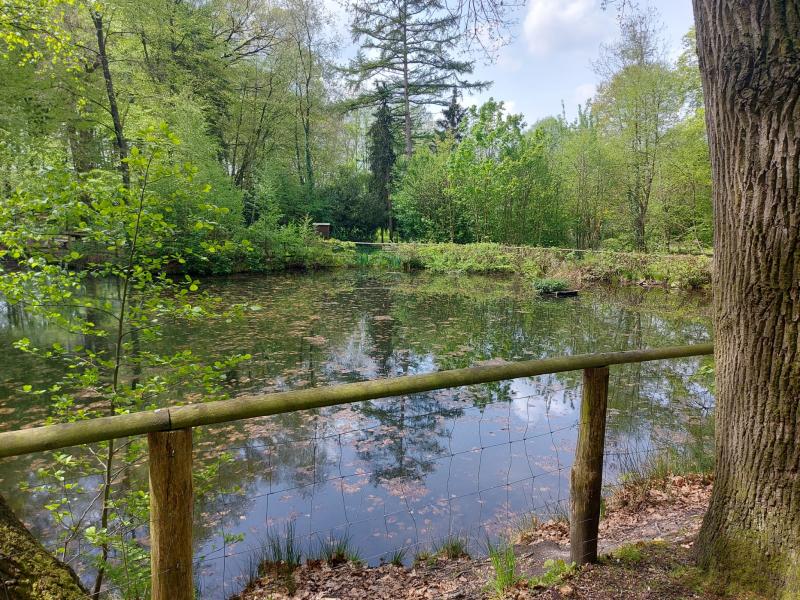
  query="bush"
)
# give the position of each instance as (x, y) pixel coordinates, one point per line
(550, 286)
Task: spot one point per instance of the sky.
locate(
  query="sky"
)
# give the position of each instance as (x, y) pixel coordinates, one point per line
(554, 44)
(549, 58)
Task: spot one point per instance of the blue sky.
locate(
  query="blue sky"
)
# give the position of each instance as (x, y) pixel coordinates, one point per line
(549, 59)
(554, 44)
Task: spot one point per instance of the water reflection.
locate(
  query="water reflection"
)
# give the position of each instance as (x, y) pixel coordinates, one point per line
(403, 471)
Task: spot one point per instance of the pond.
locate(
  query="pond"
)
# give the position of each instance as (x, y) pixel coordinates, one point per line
(404, 472)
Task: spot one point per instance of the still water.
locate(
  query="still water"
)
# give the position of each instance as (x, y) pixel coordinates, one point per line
(404, 472)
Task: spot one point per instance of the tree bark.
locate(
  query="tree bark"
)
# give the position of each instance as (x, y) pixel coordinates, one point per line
(406, 91)
(27, 570)
(750, 61)
(113, 107)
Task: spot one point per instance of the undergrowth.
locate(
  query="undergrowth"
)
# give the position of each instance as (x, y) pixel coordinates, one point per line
(504, 567)
(572, 267)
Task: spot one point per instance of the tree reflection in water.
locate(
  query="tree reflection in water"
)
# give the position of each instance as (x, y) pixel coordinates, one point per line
(400, 471)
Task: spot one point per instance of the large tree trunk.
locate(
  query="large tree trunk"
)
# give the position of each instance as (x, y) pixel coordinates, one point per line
(750, 62)
(27, 570)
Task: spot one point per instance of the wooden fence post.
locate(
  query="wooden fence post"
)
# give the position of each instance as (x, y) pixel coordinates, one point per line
(586, 479)
(171, 507)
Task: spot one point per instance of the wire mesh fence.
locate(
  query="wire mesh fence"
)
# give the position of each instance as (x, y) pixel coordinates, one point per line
(394, 477)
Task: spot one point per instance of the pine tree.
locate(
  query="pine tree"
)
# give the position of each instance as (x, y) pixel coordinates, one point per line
(381, 154)
(451, 119)
(409, 46)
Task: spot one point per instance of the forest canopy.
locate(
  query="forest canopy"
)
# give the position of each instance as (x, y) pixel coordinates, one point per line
(279, 130)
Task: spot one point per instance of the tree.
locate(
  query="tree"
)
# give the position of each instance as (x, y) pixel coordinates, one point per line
(116, 301)
(305, 32)
(636, 103)
(452, 116)
(409, 46)
(587, 177)
(27, 570)
(750, 61)
(381, 136)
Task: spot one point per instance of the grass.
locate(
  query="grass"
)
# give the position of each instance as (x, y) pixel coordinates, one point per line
(424, 558)
(629, 554)
(574, 267)
(299, 248)
(641, 470)
(504, 567)
(524, 523)
(282, 548)
(453, 547)
(555, 571)
(558, 512)
(398, 557)
(279, 555)
(338, 550)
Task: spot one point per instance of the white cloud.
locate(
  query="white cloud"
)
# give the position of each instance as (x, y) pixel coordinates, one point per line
(511, 107)
(584, 92)
(562, 25)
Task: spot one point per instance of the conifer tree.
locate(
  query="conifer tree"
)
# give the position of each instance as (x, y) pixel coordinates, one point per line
(410, 46)
(381, 154)
(451, 119)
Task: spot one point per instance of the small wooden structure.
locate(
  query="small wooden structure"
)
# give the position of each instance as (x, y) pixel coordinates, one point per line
(323, 230)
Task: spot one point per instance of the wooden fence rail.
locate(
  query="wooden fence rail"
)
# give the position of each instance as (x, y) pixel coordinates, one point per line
(170, 444)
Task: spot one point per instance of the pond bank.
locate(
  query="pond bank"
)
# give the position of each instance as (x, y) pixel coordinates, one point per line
(646, 534)
(575, 267)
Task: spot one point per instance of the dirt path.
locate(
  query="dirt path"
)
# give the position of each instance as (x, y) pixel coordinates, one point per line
(663, 517)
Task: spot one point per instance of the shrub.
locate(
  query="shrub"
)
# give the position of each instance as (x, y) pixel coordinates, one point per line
(550, 286)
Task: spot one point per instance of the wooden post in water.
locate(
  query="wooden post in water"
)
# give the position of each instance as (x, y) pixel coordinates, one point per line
(171, 507)
(586, 479)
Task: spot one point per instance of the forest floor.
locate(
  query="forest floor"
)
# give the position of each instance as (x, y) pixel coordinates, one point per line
(646, 536)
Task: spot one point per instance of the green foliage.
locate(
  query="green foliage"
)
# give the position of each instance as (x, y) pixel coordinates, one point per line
(555, 571)
(352, 207)
(456, 258)
(425, 558)
(281, 550)
(453, 547)
(116, 305)
(337, 550)
(550, 286)
(504, 565)
(495, 184)
(556, 267)
(410, 50)
(630, 554)
(398, 557)
(381, 156)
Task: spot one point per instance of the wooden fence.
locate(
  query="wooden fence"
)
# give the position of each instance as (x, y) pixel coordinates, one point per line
(169, 436)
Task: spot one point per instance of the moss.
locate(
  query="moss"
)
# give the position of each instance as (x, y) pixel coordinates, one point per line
(33, 573)
(736, 564)
(629, 554)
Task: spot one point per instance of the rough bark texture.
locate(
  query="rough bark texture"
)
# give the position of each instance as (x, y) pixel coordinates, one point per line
(750, 62)
(27, 570)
